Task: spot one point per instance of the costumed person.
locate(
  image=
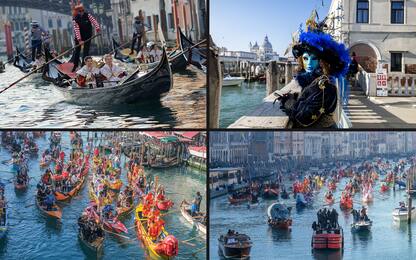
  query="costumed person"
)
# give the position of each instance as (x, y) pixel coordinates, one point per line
(138, 31)
(36, 36)
(311, 98)
(82, 23)
(112, 73)
(86, 75)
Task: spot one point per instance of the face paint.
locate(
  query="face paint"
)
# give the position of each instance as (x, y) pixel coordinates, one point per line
(310, 62)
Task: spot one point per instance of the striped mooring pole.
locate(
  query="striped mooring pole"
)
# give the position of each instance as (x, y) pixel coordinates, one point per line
(9, 39)
(27, 45)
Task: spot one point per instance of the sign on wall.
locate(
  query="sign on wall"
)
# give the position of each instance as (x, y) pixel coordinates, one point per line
(381, 81)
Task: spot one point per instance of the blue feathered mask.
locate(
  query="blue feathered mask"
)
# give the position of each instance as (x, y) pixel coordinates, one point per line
(324, 47)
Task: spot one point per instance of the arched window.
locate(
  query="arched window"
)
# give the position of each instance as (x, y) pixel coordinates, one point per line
(362, 11)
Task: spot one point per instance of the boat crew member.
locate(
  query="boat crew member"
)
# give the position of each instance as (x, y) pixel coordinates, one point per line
(321, 60)
(138, 31)
(36, 36)
(82, 24)
(112, 73)
(86, 75)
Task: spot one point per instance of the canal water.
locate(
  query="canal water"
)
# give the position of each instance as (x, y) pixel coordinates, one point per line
(386, 240)
(35, 103)
(33, 236)
(239, 101)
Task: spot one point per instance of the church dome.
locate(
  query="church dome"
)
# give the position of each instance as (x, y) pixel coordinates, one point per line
(266, 44)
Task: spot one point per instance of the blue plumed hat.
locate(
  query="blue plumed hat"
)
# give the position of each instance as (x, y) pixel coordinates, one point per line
(324, 46)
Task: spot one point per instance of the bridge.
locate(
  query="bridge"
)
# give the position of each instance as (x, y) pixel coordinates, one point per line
(58, 6)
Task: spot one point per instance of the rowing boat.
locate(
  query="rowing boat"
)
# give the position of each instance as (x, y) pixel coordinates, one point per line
(198, 221)
(153, 84)
(95, 246)
(20, 187)
(61, 196)
(55, 213)
(166, 247)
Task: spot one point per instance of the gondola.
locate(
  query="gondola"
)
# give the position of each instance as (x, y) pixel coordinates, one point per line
(176, 58)
(151, 85)
(199, 221)
(193, 56)
(22, 62)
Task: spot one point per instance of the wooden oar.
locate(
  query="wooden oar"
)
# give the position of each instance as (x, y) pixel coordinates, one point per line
(41, 67)
(126, 237)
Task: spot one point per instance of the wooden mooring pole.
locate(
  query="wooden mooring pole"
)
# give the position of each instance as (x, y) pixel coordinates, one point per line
(272, 77)
(215, 85)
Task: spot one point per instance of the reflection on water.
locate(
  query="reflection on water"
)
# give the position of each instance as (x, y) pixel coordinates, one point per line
(35, 103)
(386, 240)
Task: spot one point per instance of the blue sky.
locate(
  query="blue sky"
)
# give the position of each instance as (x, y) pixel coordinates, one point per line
(234, 23)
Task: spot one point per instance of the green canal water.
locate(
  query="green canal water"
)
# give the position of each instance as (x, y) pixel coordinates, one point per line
(238, 101)
(387, 240)
(34, 236)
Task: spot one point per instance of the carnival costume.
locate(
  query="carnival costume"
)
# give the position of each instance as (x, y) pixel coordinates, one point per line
(314, 100)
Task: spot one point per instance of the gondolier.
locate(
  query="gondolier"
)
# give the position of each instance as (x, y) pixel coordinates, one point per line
(36, 36)
(82, 23)
(138, 30)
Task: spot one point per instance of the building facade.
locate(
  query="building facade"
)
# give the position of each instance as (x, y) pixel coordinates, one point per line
(190, 17)
(58, 25)
(380, 32)
(229, 147)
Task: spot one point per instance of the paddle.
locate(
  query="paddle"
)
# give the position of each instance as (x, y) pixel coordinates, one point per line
(54, 59)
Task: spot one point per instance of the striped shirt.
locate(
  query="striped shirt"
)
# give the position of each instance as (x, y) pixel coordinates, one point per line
(76, 26)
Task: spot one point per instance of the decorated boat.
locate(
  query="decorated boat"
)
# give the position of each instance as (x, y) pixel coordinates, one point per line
(278, 216)
(163, 247)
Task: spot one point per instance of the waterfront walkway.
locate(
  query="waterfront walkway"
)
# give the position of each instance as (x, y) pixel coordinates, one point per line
(381, 112)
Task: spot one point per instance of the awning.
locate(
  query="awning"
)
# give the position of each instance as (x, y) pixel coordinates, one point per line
(198, 151)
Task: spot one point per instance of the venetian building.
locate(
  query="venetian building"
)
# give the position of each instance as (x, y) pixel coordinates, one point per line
(380, 32)
(266, 50)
